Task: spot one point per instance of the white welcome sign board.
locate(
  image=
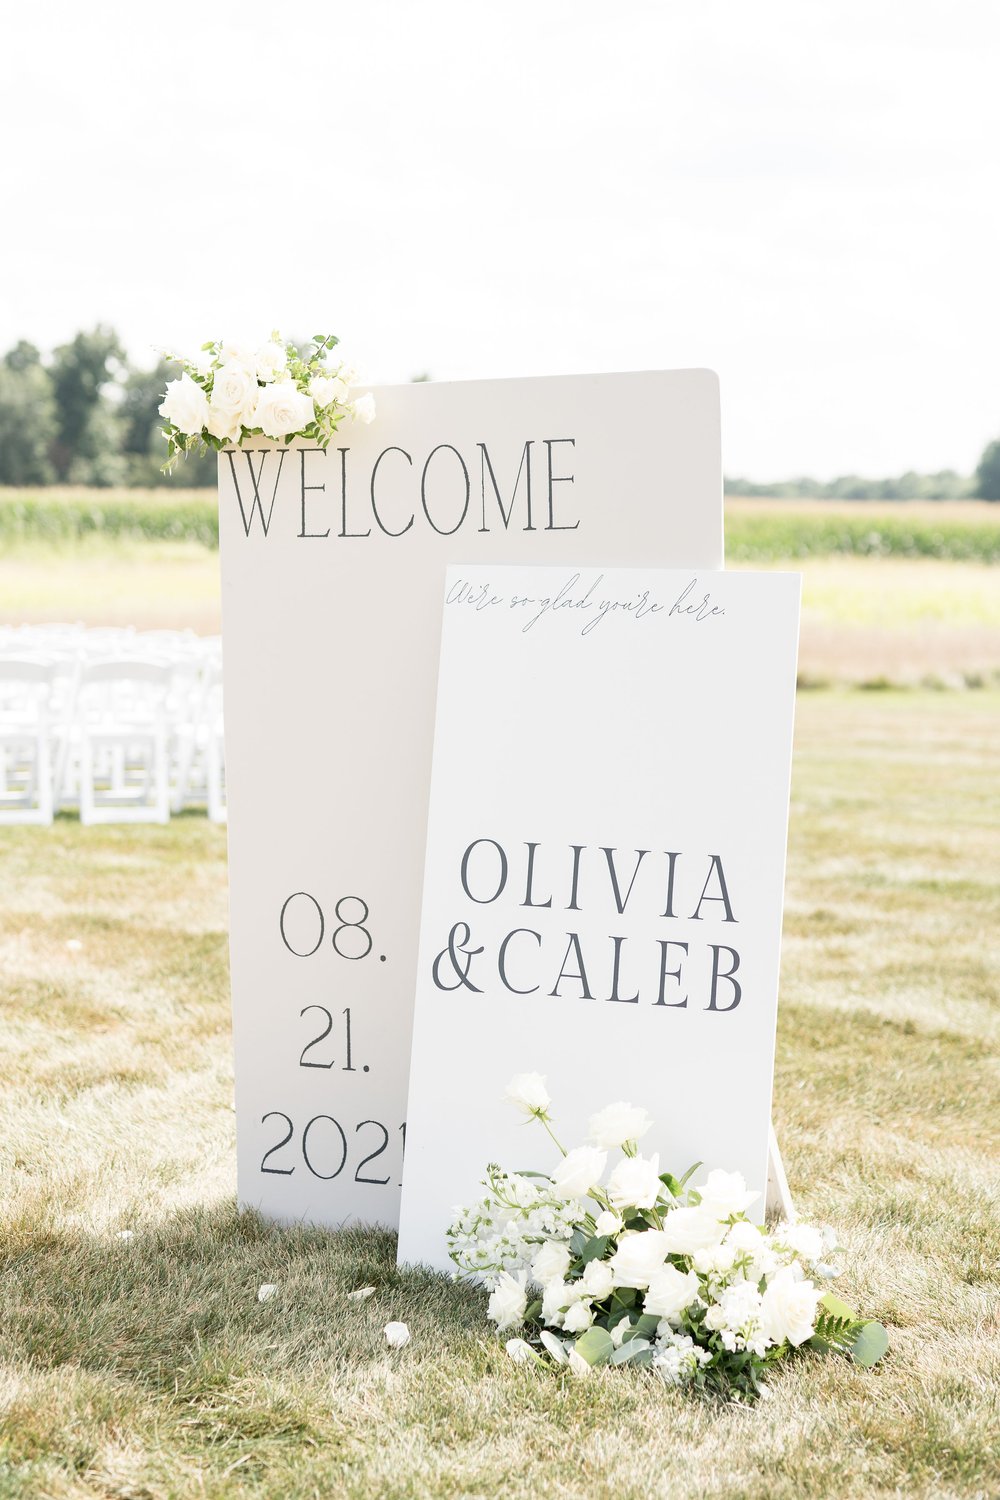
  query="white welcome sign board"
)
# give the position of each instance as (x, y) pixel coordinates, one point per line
(332, 566)
(604, 874)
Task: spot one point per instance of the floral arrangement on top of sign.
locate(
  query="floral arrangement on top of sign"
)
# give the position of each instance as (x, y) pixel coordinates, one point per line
(647, 1270)
(235, 391)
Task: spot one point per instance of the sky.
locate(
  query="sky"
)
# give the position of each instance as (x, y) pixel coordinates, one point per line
(803, 197)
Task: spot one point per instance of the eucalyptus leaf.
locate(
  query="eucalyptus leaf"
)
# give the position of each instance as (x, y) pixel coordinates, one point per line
(630, 1351)
(594, 1248)
(647, 1324)
(595, 1346)
(835, 1306)
(870, 1345)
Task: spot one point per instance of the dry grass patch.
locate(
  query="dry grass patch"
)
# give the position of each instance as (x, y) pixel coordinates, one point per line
(146, 1368)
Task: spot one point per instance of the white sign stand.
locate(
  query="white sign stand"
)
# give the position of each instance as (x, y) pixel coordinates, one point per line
(604, 877)
(332, 566)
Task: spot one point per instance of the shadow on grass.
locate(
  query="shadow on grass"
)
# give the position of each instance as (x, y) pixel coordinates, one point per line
(176, 1305)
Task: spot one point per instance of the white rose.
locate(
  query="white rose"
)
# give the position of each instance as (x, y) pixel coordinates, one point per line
(283, 409)
(185, 405)
(718, 1258)
(528, 1092)
(269, 360)
(240, 354)
(579, 1171)
(551, 1263)
(598, 1279)
(520, 1352)
(638, 1257)
(348, 374)
(508, 1302)
(578, 1317)
(789, 1308)
(802, 1238)
(555, 1298)
(616, 1124)
(363, 408)
(725, 1193)
(636, 1180)
(689, 1229)
(326, 389)
(227, 425)
(608, 1223)
(396, 1335)
(670, 1292)
(234, 388)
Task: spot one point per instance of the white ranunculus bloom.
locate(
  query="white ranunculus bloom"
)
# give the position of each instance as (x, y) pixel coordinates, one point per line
(725, 1193)
(234, 388)
(269, 360)
(396, 1335)
(551, 1263)
(598, 1279)
(508, 1301)
(691, 1229)
(579, 1171)
(326, 389)
(802, 1238)
(639, 1256)
(227, 425)
(636, 1181)
(578, 1317)
(616, 1124)
(185, 404)
(283, 409)
(555, 1298)
(528, 1092)
(670, 1292)
(520, 1352)
(789, 1308)
(363, 408)
(608, 1223)
(745, 1237)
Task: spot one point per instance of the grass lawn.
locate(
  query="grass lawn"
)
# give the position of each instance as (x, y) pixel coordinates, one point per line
(146, 1368)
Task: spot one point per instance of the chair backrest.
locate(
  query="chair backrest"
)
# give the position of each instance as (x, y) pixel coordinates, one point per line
(127, 669)
(27, 669)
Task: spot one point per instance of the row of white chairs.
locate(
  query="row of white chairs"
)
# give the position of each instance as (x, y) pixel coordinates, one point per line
(124, 725)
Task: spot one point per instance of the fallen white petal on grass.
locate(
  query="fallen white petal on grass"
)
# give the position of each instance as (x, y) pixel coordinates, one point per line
(361, 1294)
(74, 945)
(519, 1351)
(266, 1291)
(396, 1335)
(125, 1234)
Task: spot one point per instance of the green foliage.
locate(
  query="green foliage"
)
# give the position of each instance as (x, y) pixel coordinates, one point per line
(60, 518)
(988, 473)
(763, 536)
(28, 423)
(945, 485)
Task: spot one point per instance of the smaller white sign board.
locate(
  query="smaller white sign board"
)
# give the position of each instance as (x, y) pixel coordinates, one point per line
(604, 871)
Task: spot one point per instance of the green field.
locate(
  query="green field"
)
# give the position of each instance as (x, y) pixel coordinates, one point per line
(905, 594)
(146, 1369)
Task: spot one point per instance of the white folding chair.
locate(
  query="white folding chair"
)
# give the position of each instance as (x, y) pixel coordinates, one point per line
(121, 714)
(26, 688)
(215, 764)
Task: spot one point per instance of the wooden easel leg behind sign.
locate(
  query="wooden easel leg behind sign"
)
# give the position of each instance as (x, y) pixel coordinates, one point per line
(777, 1198)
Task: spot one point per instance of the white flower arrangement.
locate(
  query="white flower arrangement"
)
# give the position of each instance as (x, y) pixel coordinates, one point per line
(234, 392)
(648, 1270)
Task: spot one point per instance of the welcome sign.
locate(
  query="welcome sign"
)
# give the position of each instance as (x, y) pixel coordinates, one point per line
(604, 874)
(332, 566)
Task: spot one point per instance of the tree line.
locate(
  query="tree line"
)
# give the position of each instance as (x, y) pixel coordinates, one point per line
(86, 415)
